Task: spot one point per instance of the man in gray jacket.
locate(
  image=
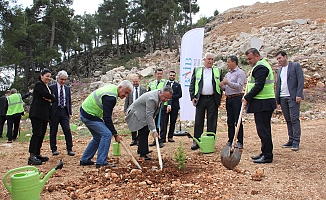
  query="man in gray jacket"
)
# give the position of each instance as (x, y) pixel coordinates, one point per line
(141, 114)
(289, 93)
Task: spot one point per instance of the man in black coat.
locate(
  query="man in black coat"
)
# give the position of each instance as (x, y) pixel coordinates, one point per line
(172, 109)
(260, 100)
(3, 110)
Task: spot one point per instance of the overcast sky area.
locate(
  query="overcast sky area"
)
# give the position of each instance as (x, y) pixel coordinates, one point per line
(207, 7)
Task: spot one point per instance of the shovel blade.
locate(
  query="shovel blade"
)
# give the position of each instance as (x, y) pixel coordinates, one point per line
(230, 159)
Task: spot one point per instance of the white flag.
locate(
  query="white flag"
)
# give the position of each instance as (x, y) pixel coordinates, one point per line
(191, 56)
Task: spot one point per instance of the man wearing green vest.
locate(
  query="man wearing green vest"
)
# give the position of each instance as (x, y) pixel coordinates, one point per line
(260, 100)
(158, 84)
(96, 114)
(14, 112)
(205, 95)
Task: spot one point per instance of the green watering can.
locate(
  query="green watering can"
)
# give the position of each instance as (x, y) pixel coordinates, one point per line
(27, 185)
(116, 149)
(207, 142)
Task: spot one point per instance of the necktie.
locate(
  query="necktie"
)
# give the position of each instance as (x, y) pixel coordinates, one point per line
(158, 82)
(171, 83)
(136, 88)
(61, 99)
(159, 117)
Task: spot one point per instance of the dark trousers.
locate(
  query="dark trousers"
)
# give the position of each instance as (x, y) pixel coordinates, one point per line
(143, 140)
(172, 116)
(38, 129)
(13, 127)
(163, 124)
(263, 126)
(2, 122)
(233, 107)
(291, 113)
(134, 135)
(205, 105)
(61, 117)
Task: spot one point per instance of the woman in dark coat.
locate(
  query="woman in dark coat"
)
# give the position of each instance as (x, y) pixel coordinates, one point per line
(39, 114)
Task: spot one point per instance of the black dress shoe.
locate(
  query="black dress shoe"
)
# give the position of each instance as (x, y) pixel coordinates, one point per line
(194, 146)
(161, 145)
(85, 163)
(133, 143)
(170, 140)
(262, 159)
(70, 153)
(150, 151)
(42, 158)
(34, 161)
(255, 157)
(55, 153)
(145, 157)
(152, 144)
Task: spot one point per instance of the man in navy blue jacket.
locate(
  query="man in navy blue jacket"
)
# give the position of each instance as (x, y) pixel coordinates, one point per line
(61, 113)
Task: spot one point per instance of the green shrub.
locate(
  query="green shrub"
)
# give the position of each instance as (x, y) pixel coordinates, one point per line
(180, 156)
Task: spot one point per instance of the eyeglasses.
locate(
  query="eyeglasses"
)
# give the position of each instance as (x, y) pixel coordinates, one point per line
(167, 98)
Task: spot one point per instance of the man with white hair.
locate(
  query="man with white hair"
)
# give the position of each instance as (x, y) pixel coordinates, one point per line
(96, 113)
(205, 95)
(61, 113)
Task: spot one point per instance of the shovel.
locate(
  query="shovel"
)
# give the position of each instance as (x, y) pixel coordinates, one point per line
(230, 156)
(159, 153)
(132, 157)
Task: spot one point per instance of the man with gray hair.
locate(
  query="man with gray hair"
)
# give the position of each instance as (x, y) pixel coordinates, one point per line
(96, 113)
(61, 113)
(141, 114)
(205, 95)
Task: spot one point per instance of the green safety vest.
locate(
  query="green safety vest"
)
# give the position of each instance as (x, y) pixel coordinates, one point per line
(93, 103)
(216, 74)
(268, 91)
(15, 104)
(153, 86)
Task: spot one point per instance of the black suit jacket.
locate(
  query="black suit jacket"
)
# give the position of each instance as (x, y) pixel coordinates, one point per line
(259, 105)
(177, 94)
(3, 106)
(54, 90)
(41, 108)
(217, 96)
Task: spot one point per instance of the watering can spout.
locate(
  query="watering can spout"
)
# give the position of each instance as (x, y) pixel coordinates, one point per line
(197, 141)
(48, 175)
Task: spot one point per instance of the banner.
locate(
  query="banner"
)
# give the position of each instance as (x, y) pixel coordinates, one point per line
(191, 56)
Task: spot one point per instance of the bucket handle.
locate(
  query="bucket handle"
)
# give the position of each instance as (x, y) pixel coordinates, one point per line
(31, 168)
(210, 133)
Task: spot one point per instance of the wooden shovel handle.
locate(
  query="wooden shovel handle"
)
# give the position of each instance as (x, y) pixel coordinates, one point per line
(159, 153)
(132, 157)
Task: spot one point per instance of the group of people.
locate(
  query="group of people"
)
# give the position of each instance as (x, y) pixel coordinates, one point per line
(150, 110)
(206, 90)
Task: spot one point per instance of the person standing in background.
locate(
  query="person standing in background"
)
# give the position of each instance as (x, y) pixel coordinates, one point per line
(3, 110)
(205, 95)
(39, 114)
(14, 113)
(172, 109)
(289, 93)
(158, 84)
(137, 92)
(61, 113)
(232, 84)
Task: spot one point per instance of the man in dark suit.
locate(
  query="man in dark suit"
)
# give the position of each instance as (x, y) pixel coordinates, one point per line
(137, 92)
(3, 110)
(205, 95)
(61, 113)
(260, 100)
(172, 109)
(289, 93)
